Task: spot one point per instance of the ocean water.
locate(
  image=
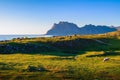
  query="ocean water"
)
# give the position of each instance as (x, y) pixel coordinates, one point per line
(9, 37)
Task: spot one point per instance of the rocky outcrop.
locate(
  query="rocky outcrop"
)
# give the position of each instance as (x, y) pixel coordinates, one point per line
(24, 48)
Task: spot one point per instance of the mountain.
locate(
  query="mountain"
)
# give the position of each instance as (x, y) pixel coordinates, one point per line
(92, 29)
(118, 28)
(66, 28)
(63, 28)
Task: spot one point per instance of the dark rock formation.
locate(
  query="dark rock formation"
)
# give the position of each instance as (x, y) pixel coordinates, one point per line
(24, 48)
(34, 69)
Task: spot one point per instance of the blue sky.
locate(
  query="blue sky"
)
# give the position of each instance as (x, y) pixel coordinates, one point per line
(38, 16)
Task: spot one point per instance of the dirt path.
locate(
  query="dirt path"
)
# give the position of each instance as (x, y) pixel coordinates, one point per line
(99, 41)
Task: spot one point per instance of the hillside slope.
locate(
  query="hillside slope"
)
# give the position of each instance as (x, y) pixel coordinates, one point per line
(67, 44)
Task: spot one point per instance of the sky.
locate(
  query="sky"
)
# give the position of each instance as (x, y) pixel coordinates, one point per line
(38, 16)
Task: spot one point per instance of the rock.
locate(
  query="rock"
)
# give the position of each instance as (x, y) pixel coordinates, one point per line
(76, 57)
(106, 59)
(41, 69)
(32, 68)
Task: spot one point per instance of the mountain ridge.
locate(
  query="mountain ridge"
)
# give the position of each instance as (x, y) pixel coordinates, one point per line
(118, 28)
(66, 28)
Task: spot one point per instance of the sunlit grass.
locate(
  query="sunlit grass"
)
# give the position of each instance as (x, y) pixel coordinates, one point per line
(86, 63)
(60, 67)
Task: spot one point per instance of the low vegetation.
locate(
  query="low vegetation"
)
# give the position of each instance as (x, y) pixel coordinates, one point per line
(88, 66)
(61, 58)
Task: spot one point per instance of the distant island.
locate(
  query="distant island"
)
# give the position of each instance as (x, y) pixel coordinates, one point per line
(66, 28)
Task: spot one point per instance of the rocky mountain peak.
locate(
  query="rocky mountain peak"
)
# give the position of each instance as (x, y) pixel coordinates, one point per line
(67, 28)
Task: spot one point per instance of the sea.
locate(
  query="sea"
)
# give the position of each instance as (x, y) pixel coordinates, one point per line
(10, 37)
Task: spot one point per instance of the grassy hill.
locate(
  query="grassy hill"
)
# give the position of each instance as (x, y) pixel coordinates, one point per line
(74, 57)
(66, 44)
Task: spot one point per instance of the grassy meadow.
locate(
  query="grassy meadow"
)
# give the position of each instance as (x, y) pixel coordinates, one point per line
(62, 58)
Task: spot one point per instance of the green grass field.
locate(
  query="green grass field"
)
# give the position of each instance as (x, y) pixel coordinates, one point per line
(82, 60)
(84, 67)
